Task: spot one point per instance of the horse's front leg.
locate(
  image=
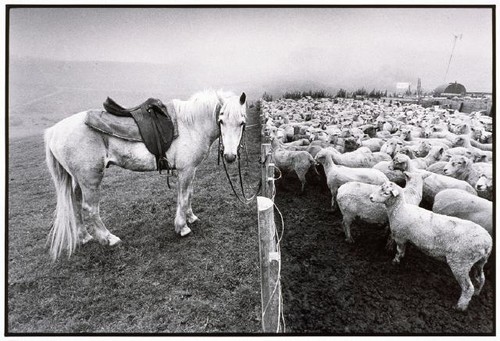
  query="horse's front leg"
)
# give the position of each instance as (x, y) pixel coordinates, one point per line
(183, 186)
(191, 217)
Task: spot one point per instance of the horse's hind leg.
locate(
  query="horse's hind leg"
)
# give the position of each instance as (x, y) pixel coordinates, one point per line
(90, 210)
(83, 235)
(190, 216)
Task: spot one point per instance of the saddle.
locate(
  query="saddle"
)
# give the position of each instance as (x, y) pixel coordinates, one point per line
(150, 122)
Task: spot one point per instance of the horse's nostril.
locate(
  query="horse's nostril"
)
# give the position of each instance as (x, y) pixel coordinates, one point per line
(230, 157)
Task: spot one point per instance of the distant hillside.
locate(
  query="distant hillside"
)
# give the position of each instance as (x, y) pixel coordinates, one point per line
(180, 80)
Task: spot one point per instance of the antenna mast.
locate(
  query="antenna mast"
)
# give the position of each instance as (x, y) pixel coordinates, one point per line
(457, 36)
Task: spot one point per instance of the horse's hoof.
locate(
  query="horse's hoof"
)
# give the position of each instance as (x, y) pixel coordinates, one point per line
(113, 240)
(460, 307)
(185, 231)
(86, 239)
(192, 219)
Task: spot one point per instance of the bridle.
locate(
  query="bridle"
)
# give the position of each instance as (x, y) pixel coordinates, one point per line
(220, 154)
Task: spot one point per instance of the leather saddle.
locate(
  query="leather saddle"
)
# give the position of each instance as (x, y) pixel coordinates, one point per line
(150, 122)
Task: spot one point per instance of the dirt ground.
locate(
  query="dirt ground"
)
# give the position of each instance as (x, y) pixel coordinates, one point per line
(333, 287)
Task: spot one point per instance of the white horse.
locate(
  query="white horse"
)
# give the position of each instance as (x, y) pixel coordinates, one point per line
(77, 155)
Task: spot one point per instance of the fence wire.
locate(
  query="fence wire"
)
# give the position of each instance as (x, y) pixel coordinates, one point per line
(278, 236)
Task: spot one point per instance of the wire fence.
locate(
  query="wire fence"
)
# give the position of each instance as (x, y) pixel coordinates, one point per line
(270, 238)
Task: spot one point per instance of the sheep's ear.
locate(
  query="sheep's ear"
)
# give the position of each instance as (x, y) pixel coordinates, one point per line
(483, 158)
(243, 98)
(395, 192)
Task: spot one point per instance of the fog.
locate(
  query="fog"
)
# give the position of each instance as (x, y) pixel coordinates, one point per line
(268, 48)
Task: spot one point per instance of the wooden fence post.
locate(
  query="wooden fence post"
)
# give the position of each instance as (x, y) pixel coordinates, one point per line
(269, 255)
(269, 266)
(267, 171)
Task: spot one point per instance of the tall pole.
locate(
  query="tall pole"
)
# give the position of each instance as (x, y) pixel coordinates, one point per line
(451, 55)
(419, 90)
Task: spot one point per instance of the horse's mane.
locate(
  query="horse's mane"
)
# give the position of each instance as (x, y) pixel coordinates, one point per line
(201, 103)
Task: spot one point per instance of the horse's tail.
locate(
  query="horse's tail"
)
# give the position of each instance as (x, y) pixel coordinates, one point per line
(64, 231)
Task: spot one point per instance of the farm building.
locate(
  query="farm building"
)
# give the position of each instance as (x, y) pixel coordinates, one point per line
(450, 89)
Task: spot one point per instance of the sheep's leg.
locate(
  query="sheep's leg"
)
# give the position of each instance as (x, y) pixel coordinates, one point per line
(334, 196)
(389, 245)
(302, 178)
(461, 273)
(346, 222)
(401, 248)
(479, 275)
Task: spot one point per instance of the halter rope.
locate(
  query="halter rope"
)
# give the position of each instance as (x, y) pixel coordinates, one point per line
(246, 200)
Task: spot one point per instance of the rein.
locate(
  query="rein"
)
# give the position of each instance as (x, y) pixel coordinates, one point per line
(242, 198)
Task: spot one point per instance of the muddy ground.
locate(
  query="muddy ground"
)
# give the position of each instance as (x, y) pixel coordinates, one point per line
(333, 287)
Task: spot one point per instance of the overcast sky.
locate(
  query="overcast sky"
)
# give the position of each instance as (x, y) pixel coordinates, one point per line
(330, 45)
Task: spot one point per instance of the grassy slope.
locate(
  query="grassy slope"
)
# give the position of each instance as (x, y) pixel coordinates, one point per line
(155, 281)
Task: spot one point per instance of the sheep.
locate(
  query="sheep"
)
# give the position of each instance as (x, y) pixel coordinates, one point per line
(464, 245)
(458, 151)
(360, 158)
(437, 167)
(433, 183)
(394, 175)
(463, 205)
(464, 141)
(353, 201)
(374, 144)
(391, 147)
(337, 175)
(433, 156)
(462, 168)
(484, 186)
(298, 161)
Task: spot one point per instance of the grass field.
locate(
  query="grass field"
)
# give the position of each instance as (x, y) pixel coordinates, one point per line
(155, 281)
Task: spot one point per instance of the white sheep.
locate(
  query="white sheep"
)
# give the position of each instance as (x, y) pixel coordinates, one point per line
(433, 183)
(464, 141)
(461, 204)
(354, 202)
(394, 175)
(292, 161)
(360, 158)
(461, 243)
(392, 146)
(337, 175)
(484, 186)
(433, 156)
(462, 168)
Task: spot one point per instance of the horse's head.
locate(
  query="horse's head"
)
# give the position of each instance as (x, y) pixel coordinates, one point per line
(232, 120)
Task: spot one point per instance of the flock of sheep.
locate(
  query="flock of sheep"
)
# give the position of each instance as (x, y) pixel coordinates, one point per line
(384, 160)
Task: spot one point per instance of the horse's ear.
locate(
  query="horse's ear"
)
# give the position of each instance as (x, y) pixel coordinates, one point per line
(243, 98)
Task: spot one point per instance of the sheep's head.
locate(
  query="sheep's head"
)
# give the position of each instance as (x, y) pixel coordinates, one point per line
(406, 150)
(459, 141)
(456, 165)
(406, 134)
(423, 149)
(484, 183)
(392, 146)
(351, 144)
(478, 157)
(436, 153)
(400, 162)
(322, 156)
(426, 131)
(386, 193)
